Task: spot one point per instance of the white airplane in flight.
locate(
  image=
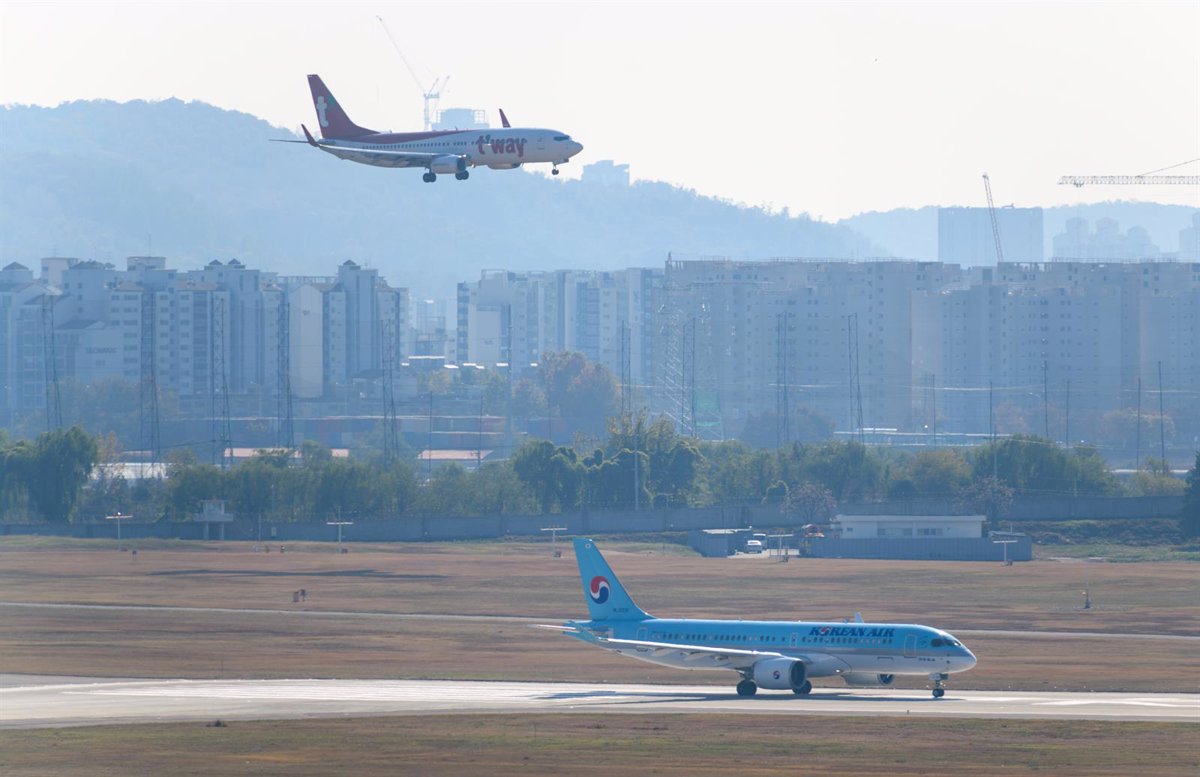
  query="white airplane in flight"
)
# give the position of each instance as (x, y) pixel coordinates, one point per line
(439, 152)
(778, 655)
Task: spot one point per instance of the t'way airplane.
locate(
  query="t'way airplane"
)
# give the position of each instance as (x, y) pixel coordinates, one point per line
(443, 151)
(779, 655)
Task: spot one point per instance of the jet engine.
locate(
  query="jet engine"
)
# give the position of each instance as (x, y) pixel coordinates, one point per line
(448, 163)
(865, 680)
(780, 674)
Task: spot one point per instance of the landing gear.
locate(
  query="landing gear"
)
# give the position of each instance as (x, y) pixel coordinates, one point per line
(429, 177)
(746, 688)
(939, 690)
(803, 690)
(554, 171)
(462, 175)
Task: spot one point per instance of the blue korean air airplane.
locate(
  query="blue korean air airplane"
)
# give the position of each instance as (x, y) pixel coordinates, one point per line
(777, 655)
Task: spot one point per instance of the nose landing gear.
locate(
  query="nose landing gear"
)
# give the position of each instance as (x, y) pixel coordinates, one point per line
(939, 678)
(429, 177)
(554, 171)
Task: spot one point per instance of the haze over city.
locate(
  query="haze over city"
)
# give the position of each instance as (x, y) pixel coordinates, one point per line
(824, 108)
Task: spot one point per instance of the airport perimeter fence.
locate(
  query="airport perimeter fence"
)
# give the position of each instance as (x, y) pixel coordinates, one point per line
(650, 520)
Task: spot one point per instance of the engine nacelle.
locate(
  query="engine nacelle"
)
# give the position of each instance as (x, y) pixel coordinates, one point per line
(448, 163)
(867, 680)
(780, 674)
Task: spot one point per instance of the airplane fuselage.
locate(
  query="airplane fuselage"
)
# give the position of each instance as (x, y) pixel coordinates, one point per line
(832, 649)
(496, 148)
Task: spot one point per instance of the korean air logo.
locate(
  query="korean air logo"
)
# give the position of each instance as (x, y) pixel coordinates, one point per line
(322, 106)
(824, 630)
(598, 589)
(776, 674)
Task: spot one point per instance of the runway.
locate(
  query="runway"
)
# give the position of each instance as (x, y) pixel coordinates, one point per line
(40, 702)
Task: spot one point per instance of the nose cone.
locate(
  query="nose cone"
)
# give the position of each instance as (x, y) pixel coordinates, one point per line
(575, 147)
(965, 661)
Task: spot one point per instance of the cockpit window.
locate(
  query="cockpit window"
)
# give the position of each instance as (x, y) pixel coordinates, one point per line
(562, 137)
(935, 642)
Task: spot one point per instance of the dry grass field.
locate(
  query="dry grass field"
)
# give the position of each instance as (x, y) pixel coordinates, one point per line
(351, 625)
(692, 745)
(523, 580)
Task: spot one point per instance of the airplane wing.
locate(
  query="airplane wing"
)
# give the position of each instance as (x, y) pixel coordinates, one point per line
(819, 665)
(380, 158)
(734, 658)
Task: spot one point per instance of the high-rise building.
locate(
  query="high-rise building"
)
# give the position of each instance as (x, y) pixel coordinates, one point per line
(965, 235)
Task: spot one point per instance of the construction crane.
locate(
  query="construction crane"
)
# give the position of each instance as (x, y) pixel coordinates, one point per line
(433, 93)
(987, 186)
(1145, 178)
(1080, 180)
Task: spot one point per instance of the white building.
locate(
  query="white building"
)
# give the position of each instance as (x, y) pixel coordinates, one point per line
(859, 527)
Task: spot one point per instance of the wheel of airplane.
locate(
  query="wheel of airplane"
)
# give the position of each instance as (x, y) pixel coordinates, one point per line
(746, 688)
(554, 171)
(429, 177)
(462, 175)
(803, 690)
(939, 693)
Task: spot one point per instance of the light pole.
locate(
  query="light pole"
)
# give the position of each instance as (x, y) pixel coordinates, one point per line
(118, 518)
(339, 525)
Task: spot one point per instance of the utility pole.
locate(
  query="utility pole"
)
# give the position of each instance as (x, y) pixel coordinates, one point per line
(1046, 399)
(1067, 426)
(992, 426)
(1138, 444)
(1162, 434)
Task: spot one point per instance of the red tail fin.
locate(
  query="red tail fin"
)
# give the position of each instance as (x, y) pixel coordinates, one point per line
(334, 122)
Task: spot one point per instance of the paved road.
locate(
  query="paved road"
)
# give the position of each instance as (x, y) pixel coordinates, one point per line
(301, 611)
(37, 702)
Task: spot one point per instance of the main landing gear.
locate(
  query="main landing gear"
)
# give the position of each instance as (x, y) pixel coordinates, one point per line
(939, 678)
(746, 688)
(803, 690)
(429, 177)
(462, 175)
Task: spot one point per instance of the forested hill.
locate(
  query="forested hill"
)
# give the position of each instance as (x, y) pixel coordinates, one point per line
(192, 182)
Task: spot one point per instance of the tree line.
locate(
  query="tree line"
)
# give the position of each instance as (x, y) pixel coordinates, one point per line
(640, 462)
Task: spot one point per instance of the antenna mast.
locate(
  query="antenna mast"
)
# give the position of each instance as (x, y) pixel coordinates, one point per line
(433, 93)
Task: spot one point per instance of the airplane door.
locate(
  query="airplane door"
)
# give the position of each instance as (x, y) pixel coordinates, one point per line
(642, 635)
(795, 638)
(910, 646)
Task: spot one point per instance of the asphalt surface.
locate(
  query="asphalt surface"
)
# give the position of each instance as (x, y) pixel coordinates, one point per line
(41, 702)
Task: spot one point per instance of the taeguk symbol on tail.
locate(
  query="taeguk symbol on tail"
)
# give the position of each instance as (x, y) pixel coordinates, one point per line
(599, 590)
(437, 152)
(778, 655)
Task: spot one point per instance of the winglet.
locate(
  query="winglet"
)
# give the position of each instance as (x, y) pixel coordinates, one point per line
(504, 119)
(308, 136)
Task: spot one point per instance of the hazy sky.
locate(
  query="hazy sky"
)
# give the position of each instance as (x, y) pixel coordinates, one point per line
(829, 108)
